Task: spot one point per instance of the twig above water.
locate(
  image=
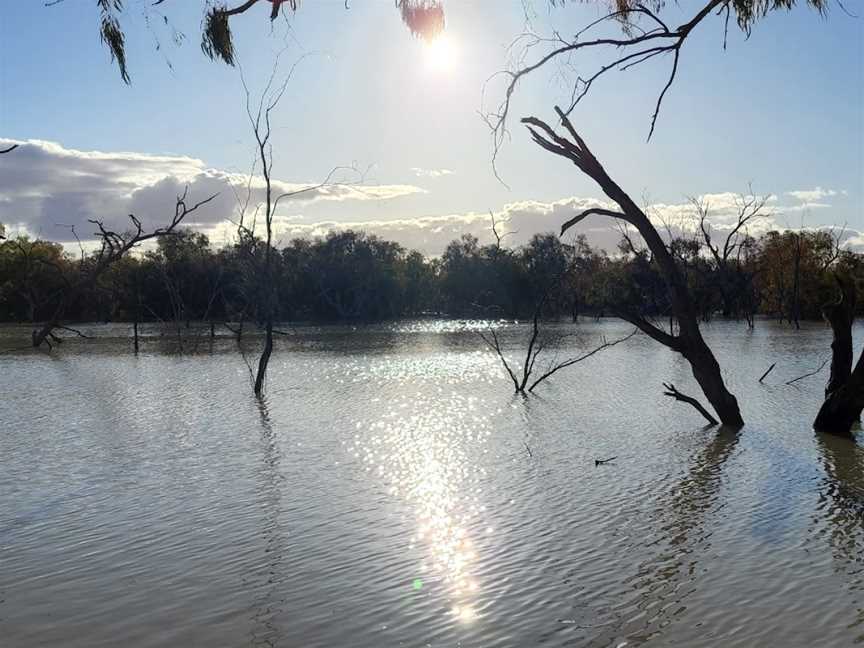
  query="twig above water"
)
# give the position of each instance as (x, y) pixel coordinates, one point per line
(812, 373)
(770, 369)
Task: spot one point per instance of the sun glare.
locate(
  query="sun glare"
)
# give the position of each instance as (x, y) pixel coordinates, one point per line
(441, 53)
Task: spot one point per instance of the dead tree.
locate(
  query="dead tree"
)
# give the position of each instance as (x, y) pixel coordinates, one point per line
(688, 341)
(727, 257)
(500, 236)
(844, 393)
(113, 246)
(537, 344)
(260, 121)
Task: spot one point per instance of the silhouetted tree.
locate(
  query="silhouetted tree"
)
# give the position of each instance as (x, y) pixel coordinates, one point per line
(113, 247)
(688, 341)
(645, 36)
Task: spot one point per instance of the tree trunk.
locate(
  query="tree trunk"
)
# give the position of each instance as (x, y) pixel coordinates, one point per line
(42, 334)
(264, 360)
(706, 371)
(688, 341)
(137, 310)
(796, 284)
(844, 393)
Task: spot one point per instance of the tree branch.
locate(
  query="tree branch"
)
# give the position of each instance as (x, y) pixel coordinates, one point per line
(678, 396)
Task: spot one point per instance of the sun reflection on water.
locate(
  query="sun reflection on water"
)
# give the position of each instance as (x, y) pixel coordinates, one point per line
(425, 456)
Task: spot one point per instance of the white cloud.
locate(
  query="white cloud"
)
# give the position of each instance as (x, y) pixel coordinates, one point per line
(431, 234)
(813, 195)
(45, 187)
(430, 173)
(807, 206)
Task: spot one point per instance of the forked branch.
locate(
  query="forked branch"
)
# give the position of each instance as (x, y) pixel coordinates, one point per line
(638, 45)
(537, 344)
(672, 392)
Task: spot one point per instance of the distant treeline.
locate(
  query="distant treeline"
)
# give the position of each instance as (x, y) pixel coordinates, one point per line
(351, 275)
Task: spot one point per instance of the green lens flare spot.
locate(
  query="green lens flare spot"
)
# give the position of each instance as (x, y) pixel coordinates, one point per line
(417, 584)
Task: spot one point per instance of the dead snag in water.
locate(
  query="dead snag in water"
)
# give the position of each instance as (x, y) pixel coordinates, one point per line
(688, 341)
(537, 343)
(844, 393)
(809, 373)
(113, 246)
(266, 303)
(672, 392)
(770, 369)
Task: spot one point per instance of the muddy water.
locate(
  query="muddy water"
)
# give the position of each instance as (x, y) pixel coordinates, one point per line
(393, 492)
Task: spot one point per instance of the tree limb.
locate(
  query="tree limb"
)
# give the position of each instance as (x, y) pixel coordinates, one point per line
(672, 392)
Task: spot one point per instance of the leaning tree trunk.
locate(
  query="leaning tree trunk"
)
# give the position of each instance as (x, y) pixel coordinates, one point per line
(688, 342)
(844, 393)
(45, 333)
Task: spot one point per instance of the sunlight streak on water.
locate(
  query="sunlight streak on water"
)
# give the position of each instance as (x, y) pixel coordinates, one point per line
(423, 452)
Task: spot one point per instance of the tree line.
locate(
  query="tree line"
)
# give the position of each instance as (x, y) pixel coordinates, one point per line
(355, 276)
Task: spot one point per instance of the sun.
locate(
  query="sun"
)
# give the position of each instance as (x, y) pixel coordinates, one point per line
(442, 54)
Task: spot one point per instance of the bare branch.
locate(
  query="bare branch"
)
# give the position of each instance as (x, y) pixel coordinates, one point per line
(678, 396)
(570, 362)
(770, 369)
(810, 373)
(74, 330)
(498, 236)
(495, 345)
(588, 212)
(637, 48)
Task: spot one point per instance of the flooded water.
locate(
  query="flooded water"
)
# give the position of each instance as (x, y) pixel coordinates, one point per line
(392, 491)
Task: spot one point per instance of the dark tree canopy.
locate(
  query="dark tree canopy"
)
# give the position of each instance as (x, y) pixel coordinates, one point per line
(746, 12)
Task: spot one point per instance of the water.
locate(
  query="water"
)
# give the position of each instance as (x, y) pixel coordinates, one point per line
(393, 491)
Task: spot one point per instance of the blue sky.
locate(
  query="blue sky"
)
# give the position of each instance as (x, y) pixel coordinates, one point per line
(783, 110)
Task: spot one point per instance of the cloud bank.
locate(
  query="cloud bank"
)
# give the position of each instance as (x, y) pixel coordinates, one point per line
(45, 188)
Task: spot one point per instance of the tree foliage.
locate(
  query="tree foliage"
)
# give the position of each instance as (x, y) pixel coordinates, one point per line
(354, 276)
(423, 18)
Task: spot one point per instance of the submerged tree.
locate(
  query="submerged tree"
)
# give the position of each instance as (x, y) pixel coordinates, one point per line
(527, 377)
(263, 274)
(844, 393)
(688, 341)
(113, 246)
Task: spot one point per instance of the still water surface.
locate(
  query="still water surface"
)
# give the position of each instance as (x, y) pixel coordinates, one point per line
(393, 492)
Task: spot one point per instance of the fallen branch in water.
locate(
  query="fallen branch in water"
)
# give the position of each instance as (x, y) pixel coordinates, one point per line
(812, 373)
(600, 462)
(672, 392)
(75, 331)
(770, 369)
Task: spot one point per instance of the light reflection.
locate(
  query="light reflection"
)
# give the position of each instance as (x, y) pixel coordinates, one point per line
(423, 453)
